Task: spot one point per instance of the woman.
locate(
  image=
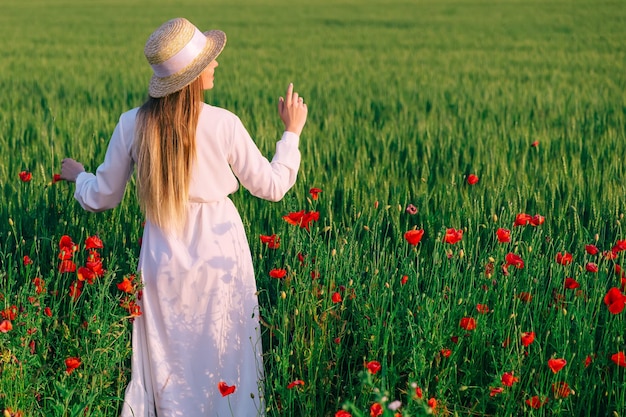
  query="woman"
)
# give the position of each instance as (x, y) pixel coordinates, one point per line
(198, 335)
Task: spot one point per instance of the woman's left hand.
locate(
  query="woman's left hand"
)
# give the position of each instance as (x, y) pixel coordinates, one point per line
(70, 169)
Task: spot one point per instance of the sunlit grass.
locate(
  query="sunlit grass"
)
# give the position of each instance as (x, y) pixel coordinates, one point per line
(406, 98)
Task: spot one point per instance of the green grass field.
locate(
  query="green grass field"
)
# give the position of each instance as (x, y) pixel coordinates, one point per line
(406, 100)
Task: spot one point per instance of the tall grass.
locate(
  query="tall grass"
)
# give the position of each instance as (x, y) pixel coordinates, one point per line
(407, 98)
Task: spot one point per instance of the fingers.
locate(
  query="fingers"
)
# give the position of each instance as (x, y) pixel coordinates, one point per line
(292, 98)
(292, 110)
(288, 96)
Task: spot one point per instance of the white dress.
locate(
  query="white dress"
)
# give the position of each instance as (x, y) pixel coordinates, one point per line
(200, 311)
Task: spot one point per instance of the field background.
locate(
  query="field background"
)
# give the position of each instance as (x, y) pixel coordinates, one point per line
(406, 98)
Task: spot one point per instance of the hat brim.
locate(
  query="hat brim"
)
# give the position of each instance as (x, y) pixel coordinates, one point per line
(162, 86)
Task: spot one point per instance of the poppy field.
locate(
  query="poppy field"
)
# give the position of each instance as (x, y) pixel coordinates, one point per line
(454, 244)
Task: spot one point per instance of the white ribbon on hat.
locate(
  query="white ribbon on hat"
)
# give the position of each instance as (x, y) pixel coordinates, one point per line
(182, 58)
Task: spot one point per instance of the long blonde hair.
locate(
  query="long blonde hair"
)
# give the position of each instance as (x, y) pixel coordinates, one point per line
(165, 147)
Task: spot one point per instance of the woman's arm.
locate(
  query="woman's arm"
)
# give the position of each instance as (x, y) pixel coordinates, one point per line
(105, 189)
(264, 179)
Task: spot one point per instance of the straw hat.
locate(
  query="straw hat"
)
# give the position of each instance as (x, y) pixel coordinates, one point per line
(178, 53)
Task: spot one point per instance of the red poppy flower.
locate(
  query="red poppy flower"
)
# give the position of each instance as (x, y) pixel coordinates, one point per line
(295, 383)
(619, 246)
(47, 311)
(482, 308)
(591, 267)
(522, 219)
(26, 260)
(445, 352)
(535, 402)
(25, 176)
(556, 364)
(342, 413)
(94, 263)
(561, 390)
(308, 218)
(537, 220)
(564, 258)
(525, 297)
(272, 241)
(373, 367)
(56, 178)
(453, 236)
(336, 297)
(39, 285)
(468, 323)
(67, 248)
(278, 273)
(508, 379)
(5, 326)
(85, 274)
(376, 410)
(8, 412)
(515, 260)
(419, 393)
(619, 358)
(591, 249)
(503, 235)
(472, 179)
(294, 218)
(66, 243)
(414, 236)
(615, 300)
(9, 313)
(588, 361)
(528, 338)
(76, 288)
(71, 364)
(404, 279)
(314, 192)
(432, 403)
(126, 286)
(93, 242)
(495, 391)
(225, 389)
(609, 255)
(571, 283)
(67, 266)
(131, 306)
(535, 144)
(302, 218)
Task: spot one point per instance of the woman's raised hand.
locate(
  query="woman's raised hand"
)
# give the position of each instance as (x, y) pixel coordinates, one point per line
(293, 111)
(70, 169)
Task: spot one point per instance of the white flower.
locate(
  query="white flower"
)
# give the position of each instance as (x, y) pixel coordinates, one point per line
(394, 405)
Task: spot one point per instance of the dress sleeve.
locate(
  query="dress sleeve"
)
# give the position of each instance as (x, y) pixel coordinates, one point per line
(264, 179)
(105, 189)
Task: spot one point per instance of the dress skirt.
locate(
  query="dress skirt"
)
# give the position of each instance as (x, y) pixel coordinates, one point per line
(199, 324)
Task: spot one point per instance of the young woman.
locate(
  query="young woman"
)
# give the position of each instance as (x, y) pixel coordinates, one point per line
(198, 336)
